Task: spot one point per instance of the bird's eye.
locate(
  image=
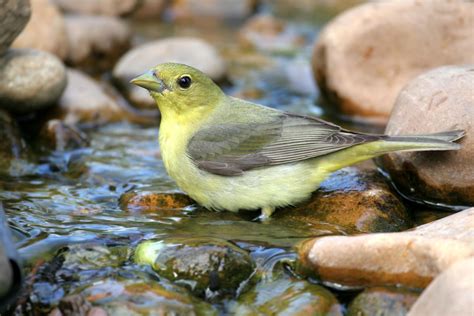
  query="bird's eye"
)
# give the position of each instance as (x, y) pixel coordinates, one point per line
(184, 82)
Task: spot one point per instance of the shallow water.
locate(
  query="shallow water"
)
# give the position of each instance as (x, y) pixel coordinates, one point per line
(73, 197)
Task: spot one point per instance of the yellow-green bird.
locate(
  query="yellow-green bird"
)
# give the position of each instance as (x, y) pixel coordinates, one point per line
(229, 154)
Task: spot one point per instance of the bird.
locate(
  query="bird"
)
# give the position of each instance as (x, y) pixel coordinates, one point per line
(231, 154)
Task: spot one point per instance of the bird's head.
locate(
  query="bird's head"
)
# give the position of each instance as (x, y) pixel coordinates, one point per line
(179, 89)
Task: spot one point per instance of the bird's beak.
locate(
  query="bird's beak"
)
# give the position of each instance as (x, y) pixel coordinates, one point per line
(149, 81)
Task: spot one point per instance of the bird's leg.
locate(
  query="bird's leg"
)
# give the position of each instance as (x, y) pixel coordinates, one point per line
(267, 211)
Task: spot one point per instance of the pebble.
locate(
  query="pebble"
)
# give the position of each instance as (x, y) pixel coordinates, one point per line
(30, 80)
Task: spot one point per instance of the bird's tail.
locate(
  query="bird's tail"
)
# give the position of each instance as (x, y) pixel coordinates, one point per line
(428, 142)
(388, 144)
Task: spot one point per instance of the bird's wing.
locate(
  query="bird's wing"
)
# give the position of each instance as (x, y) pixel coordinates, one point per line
(231, 149)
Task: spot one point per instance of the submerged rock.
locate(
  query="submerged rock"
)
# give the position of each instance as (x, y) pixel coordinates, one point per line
(365, 56)
(287, 296)
(30, 80)
(202, 265)
(175, 49)
(137, 297)
(14, 14)
(45, 31)
(356, 200)
(102, 7)
(436, 101)
(155, 201)
(451, 293)
(84, 101)
(411, 258)
(97, 50)
(12, 146)
(382, 301)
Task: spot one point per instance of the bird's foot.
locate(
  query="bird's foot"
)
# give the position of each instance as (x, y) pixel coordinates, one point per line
(267, 212)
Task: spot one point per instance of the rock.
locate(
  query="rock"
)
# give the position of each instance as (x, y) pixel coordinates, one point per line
(45, 31)
(365, 56)
(267, 33)
(287, 296)
(149, 9)
(411, 258)
(155, 202)
(436, 101)
(382, 301)
(103, 7)
(98, 50)
(354, 199)
(449, 294)
(57, 135)
(176, 49)
(83, 257)
(138, 297)
(199, 264)
(224, 9)
(14, 14)
(84, 101)
(30, 80)
(74, 305)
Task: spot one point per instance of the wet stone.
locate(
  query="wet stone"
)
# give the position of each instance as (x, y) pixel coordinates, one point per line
(222, 9)
(203, 265)
(14, 14)
(436, 101)
(314, 9)
(145, 201)
(103, 7)
(357, 200)
(138, 297)
(287, 296)
(89, 257)
(383, 301)
(12, 146)
(45, 31)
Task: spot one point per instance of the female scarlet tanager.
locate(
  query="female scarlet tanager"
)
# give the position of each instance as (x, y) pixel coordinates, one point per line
(229, 154)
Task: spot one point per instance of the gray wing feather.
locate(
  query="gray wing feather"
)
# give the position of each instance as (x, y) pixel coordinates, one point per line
(231, 149)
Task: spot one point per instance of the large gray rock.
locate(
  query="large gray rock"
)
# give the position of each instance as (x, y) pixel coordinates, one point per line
(186, 50)
(96, 50)
(14, 15)
(412, 258)
(451, 293)
(102, 7)
(436, 101)
(365, 56)
(84, 101)
(45, 31)
(30, 80)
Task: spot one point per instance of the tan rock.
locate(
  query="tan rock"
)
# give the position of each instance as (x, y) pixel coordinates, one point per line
(155, 202)
(45, 30)
(436, 101)
(14, 14)
(84, 101)
(102, 7)
(411, 258)
(451, 293)
(98, 50)
(148, 9)
(175, 49)
(365, 56)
